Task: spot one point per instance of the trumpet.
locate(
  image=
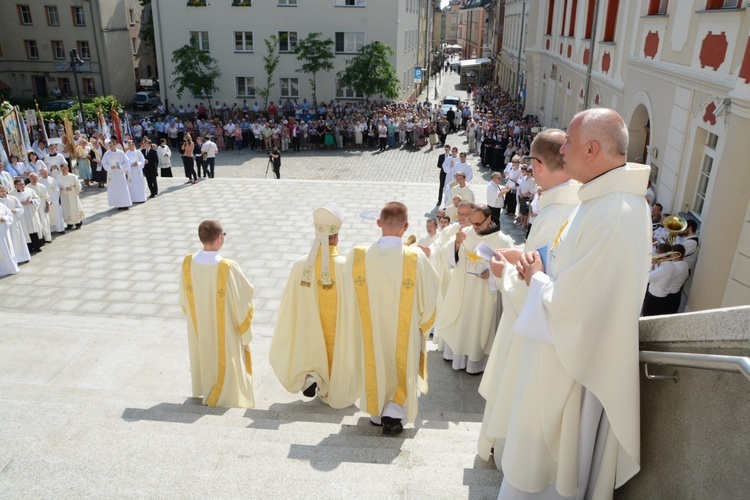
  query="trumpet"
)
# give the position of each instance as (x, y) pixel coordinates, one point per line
(665, 257)
(675, 225)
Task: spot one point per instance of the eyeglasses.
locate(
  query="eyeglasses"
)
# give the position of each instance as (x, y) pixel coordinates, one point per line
(529, 158)
(224, 234)
(479, 224)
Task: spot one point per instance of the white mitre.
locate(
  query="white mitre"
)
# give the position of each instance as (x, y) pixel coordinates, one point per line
(327, 222)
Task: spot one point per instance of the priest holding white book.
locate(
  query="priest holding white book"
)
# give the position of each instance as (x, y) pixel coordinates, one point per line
(117, 166)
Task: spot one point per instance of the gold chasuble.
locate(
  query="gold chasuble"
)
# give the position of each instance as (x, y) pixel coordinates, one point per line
(307, 332)
(218, 301)
(392, 294)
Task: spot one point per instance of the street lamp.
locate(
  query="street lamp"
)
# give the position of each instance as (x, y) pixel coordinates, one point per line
(75, 62)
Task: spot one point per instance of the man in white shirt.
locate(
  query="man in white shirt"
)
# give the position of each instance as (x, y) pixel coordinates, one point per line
(665, 282)
(210, 150)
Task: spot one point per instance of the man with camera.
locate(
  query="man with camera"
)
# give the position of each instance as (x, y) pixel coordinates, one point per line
(209, 150)
(275, 156)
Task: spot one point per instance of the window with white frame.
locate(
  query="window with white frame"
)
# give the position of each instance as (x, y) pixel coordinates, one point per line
(84, 51)
(199, 40)
(704, 176)
(134, 43)
(53, 17)
(78, 18)
(289, 87)
(347, 92)
(32, 50)
(24, 13)
(287, 41)
(245, 86)
(350, 3)
(287, 3)
(243, 41)
(349, 42)
(58, 50)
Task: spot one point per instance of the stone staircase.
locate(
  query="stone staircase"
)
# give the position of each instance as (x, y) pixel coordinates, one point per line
(96, 407)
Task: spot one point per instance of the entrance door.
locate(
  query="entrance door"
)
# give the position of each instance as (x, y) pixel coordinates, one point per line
(40, 86)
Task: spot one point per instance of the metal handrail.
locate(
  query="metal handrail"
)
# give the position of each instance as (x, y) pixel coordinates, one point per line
(737, 364)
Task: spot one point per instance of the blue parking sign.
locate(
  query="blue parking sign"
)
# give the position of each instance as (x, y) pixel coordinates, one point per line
(417, 73)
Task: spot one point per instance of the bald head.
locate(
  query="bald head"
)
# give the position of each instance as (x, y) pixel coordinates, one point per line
(596, 142)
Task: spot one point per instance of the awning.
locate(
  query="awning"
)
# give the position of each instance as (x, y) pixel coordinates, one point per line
(477, 4)
(470, 63)
(454, 47)
(3, 85)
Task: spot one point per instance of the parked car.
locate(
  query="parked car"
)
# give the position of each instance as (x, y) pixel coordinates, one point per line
(147, 99)
(58, 105)
(450, 101)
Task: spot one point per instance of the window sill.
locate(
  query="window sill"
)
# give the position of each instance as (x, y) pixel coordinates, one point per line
(655, 16)
(720, 11)
(602, 42)
(244, 51)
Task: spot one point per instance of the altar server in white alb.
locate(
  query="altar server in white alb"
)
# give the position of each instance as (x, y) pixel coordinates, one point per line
(70, 202)
(44, 205)
(8, 264)
(117, 166)
(56, 224)
(17, 238)
(575, 424)
(303, 350)
(136, 179)
(218, 301)
(559, 198)
(30, 222)
(53, 161)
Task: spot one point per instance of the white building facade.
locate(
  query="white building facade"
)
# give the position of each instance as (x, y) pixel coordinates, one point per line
(233, 32)
(678, 72)
(512, 57)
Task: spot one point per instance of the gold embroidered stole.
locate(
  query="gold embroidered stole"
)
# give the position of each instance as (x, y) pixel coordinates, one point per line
(406, 306)
(327, 304)
(221, 300)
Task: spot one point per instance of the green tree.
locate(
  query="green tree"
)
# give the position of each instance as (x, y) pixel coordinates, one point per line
(371, 71)
(195, 71)
(270, 63)
(315, 55)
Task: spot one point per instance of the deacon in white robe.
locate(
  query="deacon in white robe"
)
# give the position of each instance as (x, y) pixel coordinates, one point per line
(575, 422)
(391, 291)
(559, 198)
(8, 264)
(117, 166)
(136, 180)
(17, 238)
(56, 224)
(217, 300)
(70, 202)
(310, 319)
(30, 222)
(468, 315)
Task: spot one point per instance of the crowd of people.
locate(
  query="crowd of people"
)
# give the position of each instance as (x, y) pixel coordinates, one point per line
(555, 350)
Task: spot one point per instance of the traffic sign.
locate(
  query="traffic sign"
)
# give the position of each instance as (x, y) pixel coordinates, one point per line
(417, 73)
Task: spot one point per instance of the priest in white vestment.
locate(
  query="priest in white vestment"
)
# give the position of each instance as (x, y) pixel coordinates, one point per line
(30, 222)
(391, 291)
(559, 198)
(54, 161)
(117, 166)
(8, 264)
(468, 315)
(44, 206)
(17, 238)
(56, 224)
(70, 202)
(575, 423)
(218, 302)
(136, 179)
(310, 318)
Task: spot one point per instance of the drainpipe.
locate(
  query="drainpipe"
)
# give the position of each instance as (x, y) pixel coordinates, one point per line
(591, 56)
(162, 77)
(520, 48)
(96, 46)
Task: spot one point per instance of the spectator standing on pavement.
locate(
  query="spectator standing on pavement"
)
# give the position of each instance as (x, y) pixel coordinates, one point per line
(209, 151)
(165, 163)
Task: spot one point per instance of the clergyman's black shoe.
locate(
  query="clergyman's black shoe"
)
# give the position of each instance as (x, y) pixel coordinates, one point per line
(392, 426)
(310, 391)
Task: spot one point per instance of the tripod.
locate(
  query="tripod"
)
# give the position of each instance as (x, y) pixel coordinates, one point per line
(269, 164)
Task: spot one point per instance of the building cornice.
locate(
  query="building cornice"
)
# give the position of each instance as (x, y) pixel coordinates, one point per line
(670, 72)
(596, 76)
